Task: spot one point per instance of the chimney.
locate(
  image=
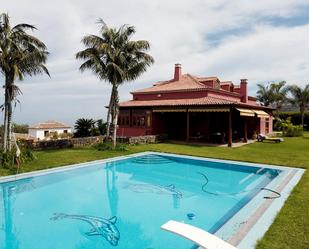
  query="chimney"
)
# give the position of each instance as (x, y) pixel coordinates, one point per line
(244, 90)
(177, 74)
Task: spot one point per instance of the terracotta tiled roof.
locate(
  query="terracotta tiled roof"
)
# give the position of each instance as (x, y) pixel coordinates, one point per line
(176, 102)
(49, 125)
(206, 78)
(226, 82)
(186, 82)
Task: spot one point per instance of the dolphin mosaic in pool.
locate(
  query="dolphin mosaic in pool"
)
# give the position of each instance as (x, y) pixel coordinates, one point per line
(99, 226)
(156, 189)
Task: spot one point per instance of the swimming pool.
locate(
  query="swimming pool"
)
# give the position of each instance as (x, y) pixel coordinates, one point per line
(121, 203)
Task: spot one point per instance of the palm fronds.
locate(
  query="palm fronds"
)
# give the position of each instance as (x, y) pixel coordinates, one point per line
(21, 54)
(115, 58)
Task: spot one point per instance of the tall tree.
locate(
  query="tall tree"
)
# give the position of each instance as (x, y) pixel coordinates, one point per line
(101, 125)
(300, 97)
(84, 127)
(21, 54)
(115, 58)
(264, 94)
(279, 92)
(274, 94)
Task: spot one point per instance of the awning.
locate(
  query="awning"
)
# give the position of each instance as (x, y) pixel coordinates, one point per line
(261, 114)
(169, 110)
(246, 112)
(209, 110)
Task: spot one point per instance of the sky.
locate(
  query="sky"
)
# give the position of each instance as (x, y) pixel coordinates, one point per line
(263, 41)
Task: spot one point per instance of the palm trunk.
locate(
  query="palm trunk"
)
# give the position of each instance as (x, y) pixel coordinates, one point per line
(9, 124)
(302, 113)
(108, 124)
(5, 132)
(7, 105)
(110, 107)
(115, 116)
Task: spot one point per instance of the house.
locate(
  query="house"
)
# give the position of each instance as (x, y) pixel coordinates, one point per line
(45, 130)
(192, 108)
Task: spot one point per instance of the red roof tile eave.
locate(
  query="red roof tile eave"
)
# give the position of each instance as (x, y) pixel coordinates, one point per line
(231, 104)
(202, 105)
(261, 107)
(174, 106)
(189, 90)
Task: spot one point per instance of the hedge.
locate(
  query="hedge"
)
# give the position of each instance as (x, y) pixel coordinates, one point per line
(296, 118)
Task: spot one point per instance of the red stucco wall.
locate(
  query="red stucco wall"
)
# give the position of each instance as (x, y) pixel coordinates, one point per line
(271, 124)
(262, 125)
(132, 131)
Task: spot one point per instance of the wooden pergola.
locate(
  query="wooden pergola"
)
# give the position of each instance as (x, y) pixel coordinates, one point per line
(244, 112)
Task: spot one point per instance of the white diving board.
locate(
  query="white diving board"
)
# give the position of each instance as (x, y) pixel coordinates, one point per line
(197, 235)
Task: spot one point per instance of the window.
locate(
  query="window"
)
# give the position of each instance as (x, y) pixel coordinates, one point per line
(124, 120)
(141, 118)
(65, 131)
(46, 133)
(139, 121)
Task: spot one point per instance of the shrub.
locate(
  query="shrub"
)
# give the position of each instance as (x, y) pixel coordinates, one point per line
(8, 159)
(290, 130)
(54, 135)
(65, 135)
(295, 118)
(27, 154)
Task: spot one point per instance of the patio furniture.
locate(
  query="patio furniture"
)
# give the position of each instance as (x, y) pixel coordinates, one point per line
(202, 238)
(262, 138)
(197, 137)
(218, 137)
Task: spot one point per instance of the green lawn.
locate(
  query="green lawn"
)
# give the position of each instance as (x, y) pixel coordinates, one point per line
(291, 226)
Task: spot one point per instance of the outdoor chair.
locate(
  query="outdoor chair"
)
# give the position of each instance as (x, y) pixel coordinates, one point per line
(262, 138)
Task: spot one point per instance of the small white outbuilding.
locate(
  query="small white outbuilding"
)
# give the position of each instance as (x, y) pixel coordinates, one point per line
(44, 130)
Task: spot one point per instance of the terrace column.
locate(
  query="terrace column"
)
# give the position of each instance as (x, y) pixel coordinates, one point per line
(188, 127)
(245, 130)
(230, 131)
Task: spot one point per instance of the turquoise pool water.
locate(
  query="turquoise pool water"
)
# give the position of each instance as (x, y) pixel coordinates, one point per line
(122, 204)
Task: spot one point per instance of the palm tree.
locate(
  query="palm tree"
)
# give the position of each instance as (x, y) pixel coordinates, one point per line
(279, 92)
(21, 54)
(264, 94)
(101, 125)
(115, 58)
(84, 127)
(300, 97)
(273, 94)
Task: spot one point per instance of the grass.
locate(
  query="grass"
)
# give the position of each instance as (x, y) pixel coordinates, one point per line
(290, 229)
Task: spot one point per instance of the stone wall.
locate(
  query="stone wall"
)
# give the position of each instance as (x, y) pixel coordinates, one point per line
(88, 141)
(65, 143)
(148, 139)
(51, 144)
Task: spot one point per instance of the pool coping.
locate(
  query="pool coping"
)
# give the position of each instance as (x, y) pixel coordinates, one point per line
(247, 234)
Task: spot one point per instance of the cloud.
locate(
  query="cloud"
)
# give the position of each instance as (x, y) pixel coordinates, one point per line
(263, 41)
